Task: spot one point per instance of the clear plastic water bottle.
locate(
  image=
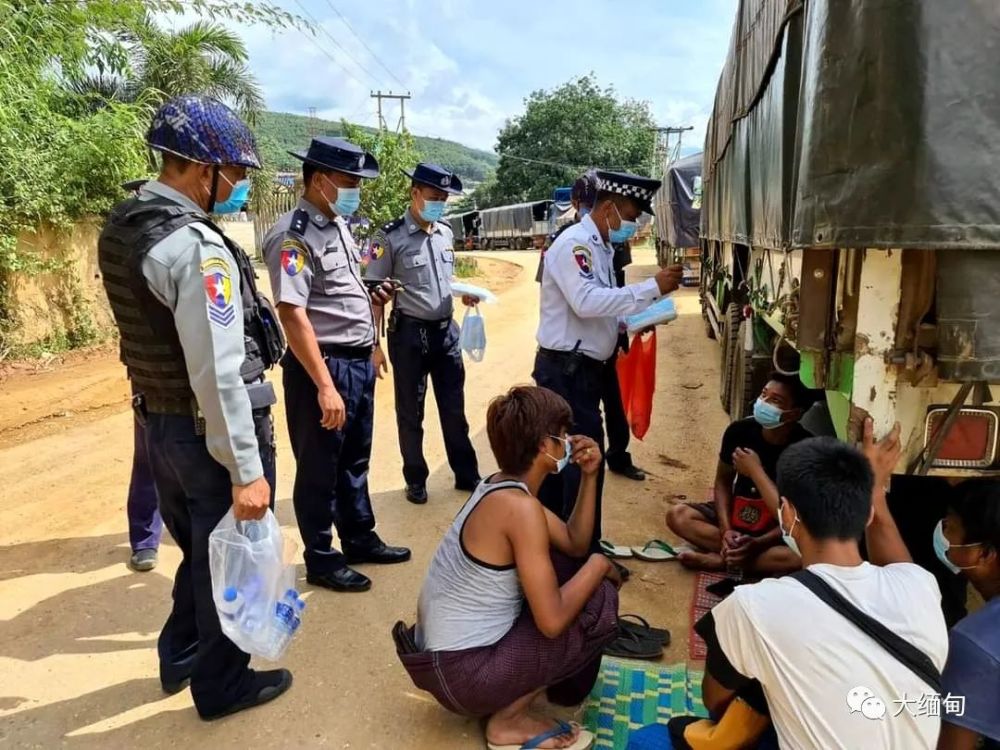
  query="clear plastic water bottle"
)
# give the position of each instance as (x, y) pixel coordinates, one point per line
(287, 619)
(255, 607)
(232, 604)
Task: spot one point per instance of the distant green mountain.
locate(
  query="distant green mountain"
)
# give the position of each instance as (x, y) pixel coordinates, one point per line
(277, 132)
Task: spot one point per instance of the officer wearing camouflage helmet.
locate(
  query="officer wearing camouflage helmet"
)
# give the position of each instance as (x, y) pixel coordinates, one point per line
(196, 338)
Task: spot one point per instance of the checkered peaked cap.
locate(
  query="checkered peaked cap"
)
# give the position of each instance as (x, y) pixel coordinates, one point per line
(204, 130)
(640, 189)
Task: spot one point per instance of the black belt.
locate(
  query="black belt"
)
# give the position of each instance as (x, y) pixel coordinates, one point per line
(566, 357)
(260, 393)
(338, 351)
(411, 320)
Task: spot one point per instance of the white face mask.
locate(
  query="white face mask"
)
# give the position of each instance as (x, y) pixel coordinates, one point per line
(561, 463)
(786, 536)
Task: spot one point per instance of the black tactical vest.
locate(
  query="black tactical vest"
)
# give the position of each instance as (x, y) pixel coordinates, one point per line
(150, 348)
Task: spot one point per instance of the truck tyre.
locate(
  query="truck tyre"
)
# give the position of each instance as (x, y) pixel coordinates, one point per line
(730, 336)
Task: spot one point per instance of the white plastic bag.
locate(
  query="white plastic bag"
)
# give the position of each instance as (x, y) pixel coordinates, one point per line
(473, 336)
(253, 586)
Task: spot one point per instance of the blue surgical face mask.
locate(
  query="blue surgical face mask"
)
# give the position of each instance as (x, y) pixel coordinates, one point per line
(942, 545)
(767, 415)
(348, 200)
(237, 197)
(786, 536)
(561, 463)
(625, 231)
(432, 210)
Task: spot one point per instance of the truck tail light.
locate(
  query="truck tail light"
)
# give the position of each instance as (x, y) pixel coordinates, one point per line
(971, 443)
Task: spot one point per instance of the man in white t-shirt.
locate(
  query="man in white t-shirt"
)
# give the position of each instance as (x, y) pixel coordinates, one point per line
(828, 684)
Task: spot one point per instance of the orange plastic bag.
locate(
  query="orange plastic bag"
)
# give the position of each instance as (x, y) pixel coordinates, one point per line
(637, 380)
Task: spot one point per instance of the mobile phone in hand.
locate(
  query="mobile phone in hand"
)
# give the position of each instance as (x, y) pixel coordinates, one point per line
(374, 284)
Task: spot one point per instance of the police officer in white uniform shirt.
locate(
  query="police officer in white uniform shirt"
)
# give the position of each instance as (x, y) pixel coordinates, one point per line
(581, 310)
(328, 372)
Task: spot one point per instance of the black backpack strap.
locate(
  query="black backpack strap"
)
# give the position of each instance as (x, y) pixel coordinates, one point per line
(907, 654)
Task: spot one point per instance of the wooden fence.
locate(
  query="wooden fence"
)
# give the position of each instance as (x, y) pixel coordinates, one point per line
(266, 212)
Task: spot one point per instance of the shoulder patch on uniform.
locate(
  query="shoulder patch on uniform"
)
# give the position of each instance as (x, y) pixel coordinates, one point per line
(218, 282)
(585, 261)
(394, 224)
(300, 220)
(293, 256)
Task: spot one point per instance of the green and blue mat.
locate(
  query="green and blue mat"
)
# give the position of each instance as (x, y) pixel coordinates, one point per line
(629, 695)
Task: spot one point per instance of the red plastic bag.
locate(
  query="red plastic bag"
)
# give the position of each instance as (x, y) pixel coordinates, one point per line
(637, 380)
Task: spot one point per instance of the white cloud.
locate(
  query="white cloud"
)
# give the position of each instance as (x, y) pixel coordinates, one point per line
(469, 65)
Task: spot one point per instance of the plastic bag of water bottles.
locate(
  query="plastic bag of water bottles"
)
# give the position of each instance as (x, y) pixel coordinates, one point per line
(253, 584)
(473, 336)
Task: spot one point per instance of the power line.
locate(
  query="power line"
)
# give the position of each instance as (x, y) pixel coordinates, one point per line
(336, 44)
(364, 43)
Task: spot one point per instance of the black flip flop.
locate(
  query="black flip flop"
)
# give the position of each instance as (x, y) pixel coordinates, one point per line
(630, 646)
(641, 627)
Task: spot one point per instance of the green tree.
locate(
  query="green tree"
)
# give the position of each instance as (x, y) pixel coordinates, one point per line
(204, 57)
(386, 198)
(64, 154)
(564, 131)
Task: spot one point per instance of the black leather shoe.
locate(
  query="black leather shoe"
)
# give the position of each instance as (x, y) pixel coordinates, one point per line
(416, 494)
(265, 688)
(377, 552)
(172, 688)
(343, 579)
(467, 485)
(631, 472)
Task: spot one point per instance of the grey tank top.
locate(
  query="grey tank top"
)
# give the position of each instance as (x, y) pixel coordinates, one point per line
(466, 603)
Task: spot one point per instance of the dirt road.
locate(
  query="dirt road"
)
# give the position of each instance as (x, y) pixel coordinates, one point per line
(78, 629)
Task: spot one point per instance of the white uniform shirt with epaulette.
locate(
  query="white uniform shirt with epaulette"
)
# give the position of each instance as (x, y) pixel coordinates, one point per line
(193, 273)
(314, 263)
(579, 300)
(423, 261)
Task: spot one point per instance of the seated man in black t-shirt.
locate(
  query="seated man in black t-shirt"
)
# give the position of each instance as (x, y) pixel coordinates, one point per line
(737, 531)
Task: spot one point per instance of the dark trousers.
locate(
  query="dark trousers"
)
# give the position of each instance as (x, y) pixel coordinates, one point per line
(195, 492)
(331, 466)
(582, 389)
(418, 349)
(145, 527)
(619, 433)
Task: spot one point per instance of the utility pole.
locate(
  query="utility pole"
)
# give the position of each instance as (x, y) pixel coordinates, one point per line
(402, 107)
(663, 153)
(313, 124)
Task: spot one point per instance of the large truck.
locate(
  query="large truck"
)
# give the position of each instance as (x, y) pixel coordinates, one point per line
(850, 227)
(514, 226)
(465, 228)
(678, 217)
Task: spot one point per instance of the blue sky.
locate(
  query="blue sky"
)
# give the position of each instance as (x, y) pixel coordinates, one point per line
(469, 65)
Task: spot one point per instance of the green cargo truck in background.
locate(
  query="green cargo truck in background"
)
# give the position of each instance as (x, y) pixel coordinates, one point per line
(850, 225)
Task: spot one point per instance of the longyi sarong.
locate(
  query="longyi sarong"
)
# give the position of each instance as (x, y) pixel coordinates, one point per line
(481, 681)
